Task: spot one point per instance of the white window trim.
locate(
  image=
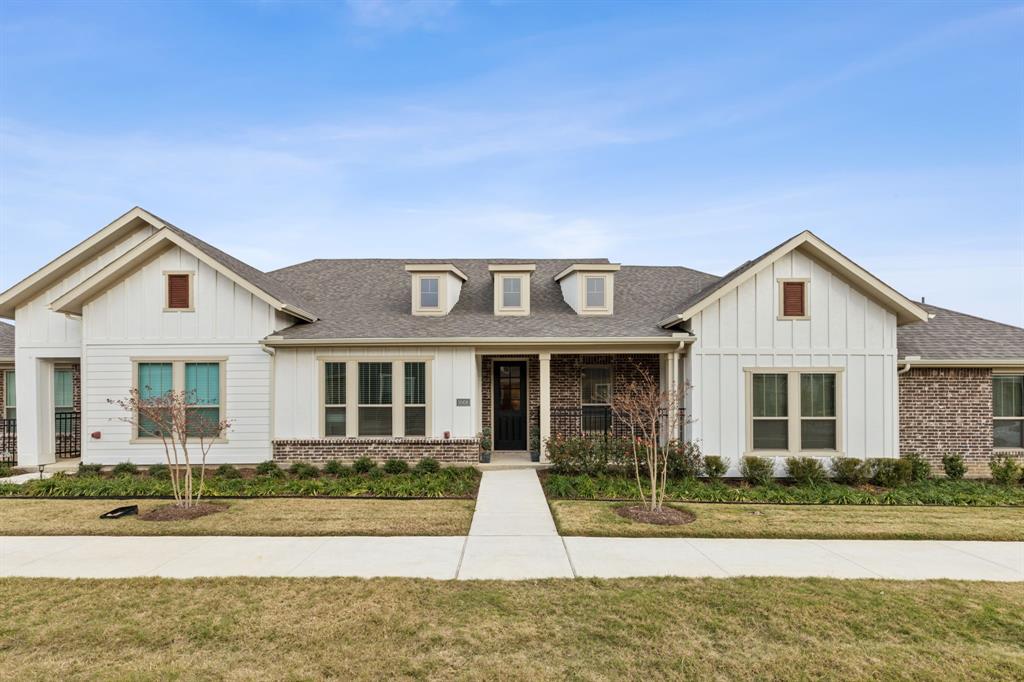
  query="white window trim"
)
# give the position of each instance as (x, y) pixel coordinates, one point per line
(499, 293)
(397, 395)
(191, 291)
(609, 289)
(1010, 450)
(793, 415)
(442, 293)
(807, 298)
(178, 384)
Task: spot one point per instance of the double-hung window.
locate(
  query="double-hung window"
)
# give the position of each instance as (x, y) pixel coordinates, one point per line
(1008, 411)
(10, 396)
(201, 385)
(794, 411)
(63, 399)
(415, 398)
(512, 292)
(430, 294)
(375, 399)
(335, 399)
(596, 399)
(595, 291)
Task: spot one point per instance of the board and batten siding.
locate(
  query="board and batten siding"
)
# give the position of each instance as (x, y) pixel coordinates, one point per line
(845, 330)
(129, 322)
(297, 386)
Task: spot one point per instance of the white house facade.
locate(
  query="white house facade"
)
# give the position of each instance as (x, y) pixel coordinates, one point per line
(797, 352)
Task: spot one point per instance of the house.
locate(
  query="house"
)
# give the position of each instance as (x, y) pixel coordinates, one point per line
(799, 351)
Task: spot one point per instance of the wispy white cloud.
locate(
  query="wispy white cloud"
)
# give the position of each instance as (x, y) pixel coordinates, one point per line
(400, 15)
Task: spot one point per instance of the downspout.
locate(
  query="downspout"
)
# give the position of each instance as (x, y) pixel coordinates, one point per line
(906, 363)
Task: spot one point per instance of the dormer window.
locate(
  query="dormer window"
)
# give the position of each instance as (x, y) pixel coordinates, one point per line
(793, 299)
(178, 287)
(595, 291)
(511, 288)
(589, 288)
(430, 293)
(435, 287)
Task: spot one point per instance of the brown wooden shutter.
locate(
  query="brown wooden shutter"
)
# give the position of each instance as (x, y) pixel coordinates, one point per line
(177, 291)
(793, 299)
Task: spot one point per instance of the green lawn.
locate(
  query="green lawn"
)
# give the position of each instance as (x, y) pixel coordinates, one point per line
(273, 516)
(800, 521)
(655, 629)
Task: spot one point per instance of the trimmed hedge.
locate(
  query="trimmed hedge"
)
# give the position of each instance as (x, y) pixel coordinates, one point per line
(451, 482)
(934, 492)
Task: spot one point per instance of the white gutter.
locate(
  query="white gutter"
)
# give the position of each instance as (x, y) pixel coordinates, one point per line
(907, 365)
(673, 340)
(914, 361)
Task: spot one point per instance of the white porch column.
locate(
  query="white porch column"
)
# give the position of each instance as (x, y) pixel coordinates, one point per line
(673, 388)
(34, 379)
(545, 401)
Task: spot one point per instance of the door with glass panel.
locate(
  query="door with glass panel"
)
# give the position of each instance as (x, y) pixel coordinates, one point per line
(510, 406)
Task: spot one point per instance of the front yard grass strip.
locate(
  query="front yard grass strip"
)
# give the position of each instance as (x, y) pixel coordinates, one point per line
(269, 516)
(446, 483)
(709, 629)
(611, 487)
(849, 522)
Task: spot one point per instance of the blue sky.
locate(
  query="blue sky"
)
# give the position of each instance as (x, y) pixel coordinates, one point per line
(651, 133)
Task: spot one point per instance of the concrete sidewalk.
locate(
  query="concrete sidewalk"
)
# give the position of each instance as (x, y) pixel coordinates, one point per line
(512, 537)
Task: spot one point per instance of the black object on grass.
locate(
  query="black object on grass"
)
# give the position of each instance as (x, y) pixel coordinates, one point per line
(130, 510)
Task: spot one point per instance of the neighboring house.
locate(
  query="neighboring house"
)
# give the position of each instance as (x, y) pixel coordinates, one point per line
(800, 351)
(8, 404)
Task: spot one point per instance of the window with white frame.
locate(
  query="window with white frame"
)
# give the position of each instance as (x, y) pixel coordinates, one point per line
(511, 291)
(335, 399)
(10, 396)
(430, 293)
(415, 398)
(375, 399)
(1008, 411)
(794, 411)
(595, 294)
(596, 398)
(201, 383)
(63, 399)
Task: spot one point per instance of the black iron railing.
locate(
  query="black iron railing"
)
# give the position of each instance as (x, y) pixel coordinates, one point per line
(8, 440)
(67, 439)
(595, 420)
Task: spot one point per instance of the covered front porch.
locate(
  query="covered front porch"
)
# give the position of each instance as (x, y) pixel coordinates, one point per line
(40, 423)
(526, 398)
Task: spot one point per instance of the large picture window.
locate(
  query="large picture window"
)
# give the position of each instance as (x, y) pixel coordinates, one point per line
(202, 384)
(1008, 411)
(375, 399)
(794, 411)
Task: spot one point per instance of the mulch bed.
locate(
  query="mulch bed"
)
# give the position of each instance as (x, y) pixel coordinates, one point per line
(170, 512)
(668, 516)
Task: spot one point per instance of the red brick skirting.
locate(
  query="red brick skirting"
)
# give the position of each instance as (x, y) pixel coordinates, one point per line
(379, 449)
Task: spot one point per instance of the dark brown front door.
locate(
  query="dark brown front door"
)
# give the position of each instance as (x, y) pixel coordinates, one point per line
(509, 405)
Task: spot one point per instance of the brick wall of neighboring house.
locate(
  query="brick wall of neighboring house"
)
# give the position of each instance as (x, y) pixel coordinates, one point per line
(947, 411)
(532, 387)
(8, 439)
(567, 379)
(450, 451)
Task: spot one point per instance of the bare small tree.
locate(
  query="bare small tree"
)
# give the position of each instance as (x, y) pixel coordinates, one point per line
(177, 419)
(651, 415)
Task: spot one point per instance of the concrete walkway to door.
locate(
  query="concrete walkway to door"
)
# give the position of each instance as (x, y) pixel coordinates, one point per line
(512, 537)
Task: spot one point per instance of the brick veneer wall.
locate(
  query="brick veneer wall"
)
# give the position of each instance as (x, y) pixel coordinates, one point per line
(451, 450)
(532, 387)
(947, 411)
(10, 439)
(567, 379)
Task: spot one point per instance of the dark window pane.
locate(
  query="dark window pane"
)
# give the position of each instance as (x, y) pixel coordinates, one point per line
(415, 383)
(429, 292)
(1009, 433)
(770, 395)
(334, 383)
(818, 395)
(597, 385)
(415, 421)
(334, 421)
(771, 434)
(1008, 396)
(374, 421)
(374, 383)
(202, 421)
(818, 434)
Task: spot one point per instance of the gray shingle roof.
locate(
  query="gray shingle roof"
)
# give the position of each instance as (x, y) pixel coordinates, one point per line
(371, 298)
(6, 340)
(950, 335)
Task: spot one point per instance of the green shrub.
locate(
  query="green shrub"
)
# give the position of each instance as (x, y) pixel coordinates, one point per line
(303, 470)
(269, 468)
(1005, 469)
(587, 454)
(396, 466)
(954, 467)
(757, 470)
(684, 460)
(891, 473)
(89, 469)
(227, 471)
(5, 469)
(160, 472)
(427, 465)
(336, 468)
(364, 465)
(920, 469)
(850, 470)
(806, 470)
(124, 469)
(714, 467)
